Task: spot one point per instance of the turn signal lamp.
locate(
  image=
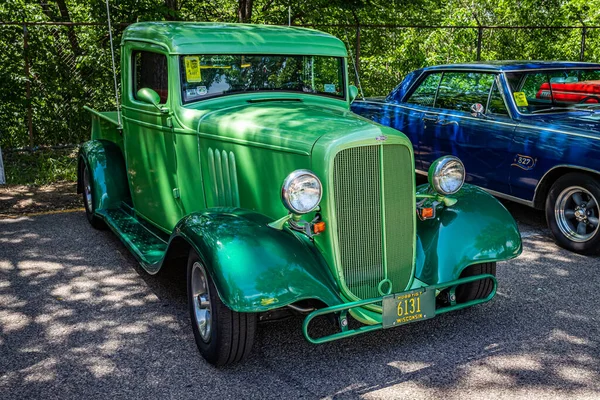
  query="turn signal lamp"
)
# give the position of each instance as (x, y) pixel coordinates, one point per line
(318, 227)
(426, 213)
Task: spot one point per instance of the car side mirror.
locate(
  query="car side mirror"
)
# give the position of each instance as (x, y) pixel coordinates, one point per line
(149, 96)
(477, 110)
(352, 92)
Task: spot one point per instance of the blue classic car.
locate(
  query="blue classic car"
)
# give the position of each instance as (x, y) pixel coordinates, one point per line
(527, 132)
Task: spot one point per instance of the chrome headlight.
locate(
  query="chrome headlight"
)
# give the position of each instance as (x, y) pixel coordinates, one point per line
(447, 175)
(301, 192)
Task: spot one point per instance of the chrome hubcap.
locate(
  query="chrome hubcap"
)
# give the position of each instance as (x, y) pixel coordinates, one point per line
(201, 300)
(577, 213)
(87, 189)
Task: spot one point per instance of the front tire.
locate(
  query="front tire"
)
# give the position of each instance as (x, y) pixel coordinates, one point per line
(223, 336)
(479, 289)
(88, 198)
(572, 212)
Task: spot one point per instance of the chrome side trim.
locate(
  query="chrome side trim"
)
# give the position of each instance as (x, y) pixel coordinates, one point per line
(508, 197)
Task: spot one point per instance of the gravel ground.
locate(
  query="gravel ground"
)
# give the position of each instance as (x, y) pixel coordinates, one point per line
(79, 319)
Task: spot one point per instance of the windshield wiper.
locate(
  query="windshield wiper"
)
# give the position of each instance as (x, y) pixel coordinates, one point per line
(274, 99)
(551, 109)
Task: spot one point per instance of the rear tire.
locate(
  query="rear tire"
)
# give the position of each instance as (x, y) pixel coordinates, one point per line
(572, 212)
(223, 336)
(478, 289)
(87, 186)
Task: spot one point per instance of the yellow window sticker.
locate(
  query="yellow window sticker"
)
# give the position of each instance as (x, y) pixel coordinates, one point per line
(192, 69)
(520, 99)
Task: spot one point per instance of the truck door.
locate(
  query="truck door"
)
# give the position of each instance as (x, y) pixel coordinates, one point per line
(149, 140)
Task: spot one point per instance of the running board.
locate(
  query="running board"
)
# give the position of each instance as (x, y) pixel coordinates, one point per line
(145, 245)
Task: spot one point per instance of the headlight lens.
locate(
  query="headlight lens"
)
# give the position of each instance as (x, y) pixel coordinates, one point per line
(447, 175)
(301, 191)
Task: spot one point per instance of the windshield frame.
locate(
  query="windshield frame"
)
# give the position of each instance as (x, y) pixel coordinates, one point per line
(511, 99)
(342, 69)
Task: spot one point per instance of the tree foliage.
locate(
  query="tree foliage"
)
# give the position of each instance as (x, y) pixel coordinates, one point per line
(69, 66)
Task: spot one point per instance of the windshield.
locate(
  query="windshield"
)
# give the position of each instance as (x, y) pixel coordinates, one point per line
(209, 76)
(549, 91)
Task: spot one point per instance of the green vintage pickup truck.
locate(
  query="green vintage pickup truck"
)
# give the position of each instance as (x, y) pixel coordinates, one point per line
(235, 154)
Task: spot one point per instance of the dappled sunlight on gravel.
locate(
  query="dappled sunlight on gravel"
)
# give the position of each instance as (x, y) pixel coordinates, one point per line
(80, 319)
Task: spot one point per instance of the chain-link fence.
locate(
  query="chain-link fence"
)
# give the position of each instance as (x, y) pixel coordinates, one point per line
(49, 71)
(47, 74)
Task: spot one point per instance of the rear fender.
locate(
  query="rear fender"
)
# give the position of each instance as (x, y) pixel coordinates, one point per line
(476, 229)
(105, 162)
(256, 268)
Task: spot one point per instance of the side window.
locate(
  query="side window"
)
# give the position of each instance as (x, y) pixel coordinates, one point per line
(460, 90)
(534, 84)
(496, 104)
(150, 71)
(424, 95)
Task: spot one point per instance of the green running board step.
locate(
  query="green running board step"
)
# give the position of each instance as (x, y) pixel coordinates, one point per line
(146, 246)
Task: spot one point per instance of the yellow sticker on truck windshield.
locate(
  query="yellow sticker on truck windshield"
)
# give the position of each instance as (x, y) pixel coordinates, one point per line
(192, 69)
(520, 99)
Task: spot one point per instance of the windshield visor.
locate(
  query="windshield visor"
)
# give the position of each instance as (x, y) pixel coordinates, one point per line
(209, 76)
(565, 90)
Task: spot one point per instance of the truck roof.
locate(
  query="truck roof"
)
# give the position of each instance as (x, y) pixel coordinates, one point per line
(223, 38)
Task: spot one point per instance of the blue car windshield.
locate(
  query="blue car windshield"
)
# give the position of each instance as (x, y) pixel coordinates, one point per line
(555, 91)
(209, 76)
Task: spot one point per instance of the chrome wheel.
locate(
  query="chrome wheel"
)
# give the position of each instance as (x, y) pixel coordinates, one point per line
(201, 300)
(87, 189)
(577, 211)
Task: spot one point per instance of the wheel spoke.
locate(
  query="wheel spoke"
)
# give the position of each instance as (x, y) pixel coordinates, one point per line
(570, 213)
(591, 204)
(582, 228)
(593, 221)
(577, 199)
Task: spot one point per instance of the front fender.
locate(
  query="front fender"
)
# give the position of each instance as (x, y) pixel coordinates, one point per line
(254, 267)
(107, 167)
(477, 229)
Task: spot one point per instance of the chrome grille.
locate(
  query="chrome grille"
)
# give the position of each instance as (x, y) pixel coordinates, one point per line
(373, 192)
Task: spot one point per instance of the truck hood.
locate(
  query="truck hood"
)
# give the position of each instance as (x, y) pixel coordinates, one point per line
(283, 125)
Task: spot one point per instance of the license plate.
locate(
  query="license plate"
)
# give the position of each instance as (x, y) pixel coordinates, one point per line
(404, 308)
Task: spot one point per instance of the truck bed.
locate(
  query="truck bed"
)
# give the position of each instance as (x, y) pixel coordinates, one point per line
(105, 126)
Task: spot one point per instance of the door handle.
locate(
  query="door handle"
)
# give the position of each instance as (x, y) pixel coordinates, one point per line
(445, 122)
(428, 118)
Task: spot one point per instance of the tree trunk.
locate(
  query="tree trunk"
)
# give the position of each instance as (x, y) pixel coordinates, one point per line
(245, 10)
(2, 177)
(64, 13)
(173, 7)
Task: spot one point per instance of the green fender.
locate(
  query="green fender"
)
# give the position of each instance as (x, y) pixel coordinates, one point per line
(107, 167)
(256, 268)
(477, 229)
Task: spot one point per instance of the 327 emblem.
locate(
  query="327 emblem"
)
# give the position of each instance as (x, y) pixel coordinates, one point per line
(524, 162)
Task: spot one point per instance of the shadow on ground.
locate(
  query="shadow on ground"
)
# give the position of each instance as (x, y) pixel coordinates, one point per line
(79, 318)
(21, 199)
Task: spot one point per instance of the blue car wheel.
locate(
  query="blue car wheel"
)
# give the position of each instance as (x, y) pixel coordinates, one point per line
(573, 212)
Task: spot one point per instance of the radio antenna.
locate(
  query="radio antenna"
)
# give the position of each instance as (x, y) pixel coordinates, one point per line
(355, 69)
(112, 53)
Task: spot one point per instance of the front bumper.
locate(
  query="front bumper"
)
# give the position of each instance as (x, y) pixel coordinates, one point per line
(342, 309)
